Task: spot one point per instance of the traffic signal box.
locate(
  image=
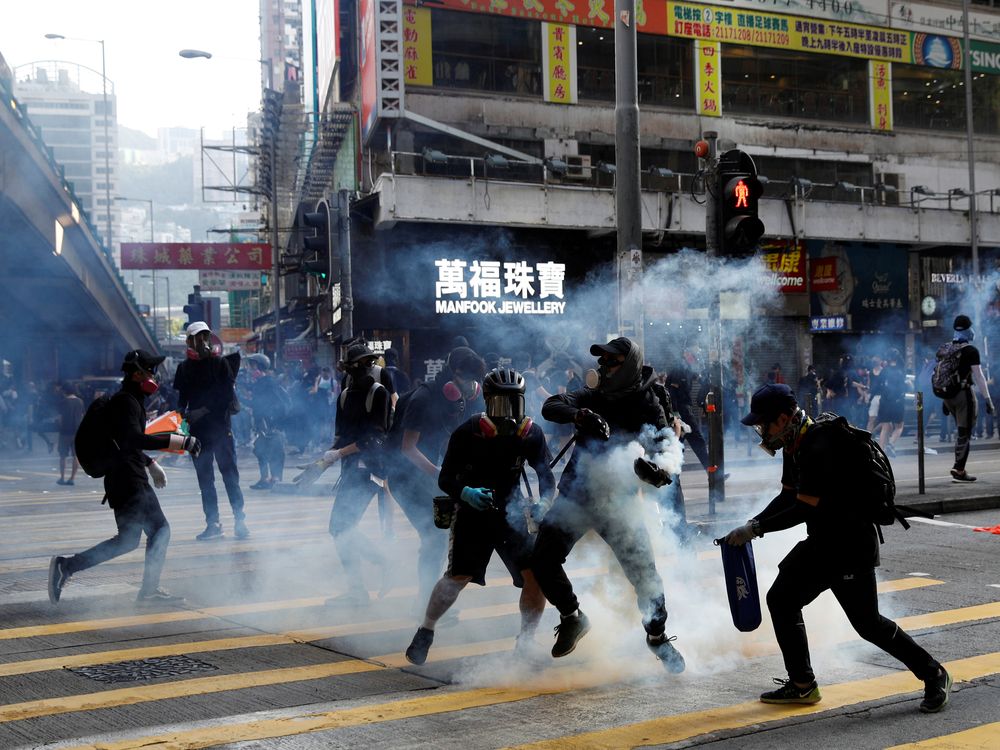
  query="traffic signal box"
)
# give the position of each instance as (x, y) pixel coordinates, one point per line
(195, 308)
(740, 229)
(317, 257)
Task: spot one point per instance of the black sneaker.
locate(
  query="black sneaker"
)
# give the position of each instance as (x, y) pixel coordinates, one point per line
(212, 531)
(961, 476)
(241, 530)
(57, 577)
(663, 648)
(263, 484)
(937, 690)
(568, 632)
(789, 692)
(158, 596)
(416, 652)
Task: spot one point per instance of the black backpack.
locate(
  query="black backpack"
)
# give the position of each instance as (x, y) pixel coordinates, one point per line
(945, 381)
(876, 484)
(95, 449)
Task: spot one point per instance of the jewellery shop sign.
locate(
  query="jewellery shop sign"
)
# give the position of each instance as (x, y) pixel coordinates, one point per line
(488, 287)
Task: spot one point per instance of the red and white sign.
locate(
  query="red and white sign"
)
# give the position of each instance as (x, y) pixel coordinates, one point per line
(224, 256)
(823, 275)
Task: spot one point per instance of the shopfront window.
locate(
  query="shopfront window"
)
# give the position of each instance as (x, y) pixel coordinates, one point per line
(934, 99)
(800, 85)
(481, 52)
(664, 68)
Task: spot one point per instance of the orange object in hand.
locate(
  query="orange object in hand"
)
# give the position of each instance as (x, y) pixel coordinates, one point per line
(171, 423)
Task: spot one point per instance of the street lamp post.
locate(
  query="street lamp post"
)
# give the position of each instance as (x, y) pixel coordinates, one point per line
(108, 240)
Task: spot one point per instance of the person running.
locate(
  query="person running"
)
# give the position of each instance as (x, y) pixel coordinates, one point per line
(126, 485)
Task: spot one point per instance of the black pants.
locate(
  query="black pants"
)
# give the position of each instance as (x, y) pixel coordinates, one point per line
(694, 439)
(414, 491)
(138, 513)
(963, 408)
(626, 535)
(269, 448)
(799, 584)
(218, 448)
(354, 494)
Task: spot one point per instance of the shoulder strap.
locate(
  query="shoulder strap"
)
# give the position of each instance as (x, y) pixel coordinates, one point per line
(370, 399)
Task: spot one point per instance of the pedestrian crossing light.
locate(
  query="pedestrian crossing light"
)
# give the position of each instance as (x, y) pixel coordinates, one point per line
(318, 248)
(740, 229)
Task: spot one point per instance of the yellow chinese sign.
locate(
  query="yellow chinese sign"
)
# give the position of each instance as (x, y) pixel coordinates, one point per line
(880, 94)
(559, 63)
(707, 78)
(418, 63)
(733, 26)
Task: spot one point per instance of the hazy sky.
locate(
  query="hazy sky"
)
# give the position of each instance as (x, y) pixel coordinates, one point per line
(155, 87)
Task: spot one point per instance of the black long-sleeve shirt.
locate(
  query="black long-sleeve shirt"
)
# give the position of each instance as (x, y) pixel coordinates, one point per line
(206, 384)
(126, 415)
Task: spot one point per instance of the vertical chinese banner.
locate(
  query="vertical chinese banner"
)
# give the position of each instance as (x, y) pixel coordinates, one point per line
(707, 77)
(880, 94)
(418, 65)
(559, 63)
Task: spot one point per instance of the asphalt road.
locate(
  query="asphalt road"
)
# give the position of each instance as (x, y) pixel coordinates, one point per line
(257, 656)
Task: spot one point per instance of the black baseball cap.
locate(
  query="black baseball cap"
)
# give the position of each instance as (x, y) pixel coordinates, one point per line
(358, 351)
(142, 360)
(963, 323)
(620, 345)
(768, 402)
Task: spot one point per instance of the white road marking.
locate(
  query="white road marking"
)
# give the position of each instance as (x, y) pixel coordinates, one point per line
(938, 522)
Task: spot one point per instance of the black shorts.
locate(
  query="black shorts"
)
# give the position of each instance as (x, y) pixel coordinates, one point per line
(66, 446)
(476, 534)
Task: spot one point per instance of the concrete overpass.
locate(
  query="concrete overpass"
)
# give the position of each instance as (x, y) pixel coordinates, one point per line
(64, 308)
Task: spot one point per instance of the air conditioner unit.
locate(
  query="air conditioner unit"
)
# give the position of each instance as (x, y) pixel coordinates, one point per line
(578, 168)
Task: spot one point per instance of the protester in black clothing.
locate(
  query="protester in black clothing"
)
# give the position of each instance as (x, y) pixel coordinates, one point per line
(126, 486)
(359, 444)
(963, 404)
(206, 390)
(890, 389)
(482, 472)
(424, 419)
(70, 413)
(809, 391)
(269, 406)
(623, 408)
(840, 553)
(839, 388)
(679, 387)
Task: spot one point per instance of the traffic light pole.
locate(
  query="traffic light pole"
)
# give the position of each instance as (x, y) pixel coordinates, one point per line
(714, 404)
(628, 206)
(275, 260)
(346, 287)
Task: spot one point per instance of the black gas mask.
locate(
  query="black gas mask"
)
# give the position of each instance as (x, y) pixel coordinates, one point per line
(785, 438)
(503, 391)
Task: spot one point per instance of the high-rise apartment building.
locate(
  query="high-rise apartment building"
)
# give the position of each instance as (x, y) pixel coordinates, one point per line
(66, 101)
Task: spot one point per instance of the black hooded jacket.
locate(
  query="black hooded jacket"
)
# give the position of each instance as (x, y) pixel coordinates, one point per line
(625, 414)
(126, 415)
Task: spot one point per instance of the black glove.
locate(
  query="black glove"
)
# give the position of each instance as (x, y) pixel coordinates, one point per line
(650, 473)
(944, 408)
(192, 445)
(592, 423)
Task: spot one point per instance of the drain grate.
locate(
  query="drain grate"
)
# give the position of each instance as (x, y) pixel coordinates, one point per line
(144, 669)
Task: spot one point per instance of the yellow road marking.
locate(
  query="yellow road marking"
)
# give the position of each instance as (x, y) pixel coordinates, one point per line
(906, 584)
(208, 685)
(976, 738)
(653, 732)
(684, 726)
(11, 479)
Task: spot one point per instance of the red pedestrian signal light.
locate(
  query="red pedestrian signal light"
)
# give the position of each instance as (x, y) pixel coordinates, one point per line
(740, 229)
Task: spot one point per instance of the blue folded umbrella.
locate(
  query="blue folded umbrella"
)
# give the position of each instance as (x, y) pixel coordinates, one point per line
(741, 585)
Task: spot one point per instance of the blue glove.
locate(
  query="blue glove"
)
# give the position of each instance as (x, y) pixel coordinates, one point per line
(479, 498)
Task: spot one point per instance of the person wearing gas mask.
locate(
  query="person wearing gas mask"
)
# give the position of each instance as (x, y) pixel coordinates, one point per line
(206, 391)
(424, 420)
(362, 423)
(481, 472)
(963, 404)
(269, 404)
(126, 485)
(622, 408)
(840, 552)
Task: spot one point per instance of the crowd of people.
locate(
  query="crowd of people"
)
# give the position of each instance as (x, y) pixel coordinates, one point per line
(453, 451)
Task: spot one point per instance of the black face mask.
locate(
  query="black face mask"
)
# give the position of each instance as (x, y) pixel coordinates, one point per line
(361, 373)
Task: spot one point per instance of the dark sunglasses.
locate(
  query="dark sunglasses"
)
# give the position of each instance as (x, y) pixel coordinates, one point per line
(611, 360)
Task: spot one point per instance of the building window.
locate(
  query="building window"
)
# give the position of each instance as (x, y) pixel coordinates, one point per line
(487, 53)
(68, 122)
(66, 154)
(761, 81)
(934, 99)
(54, 137)
(99, 108)
(664, 68)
